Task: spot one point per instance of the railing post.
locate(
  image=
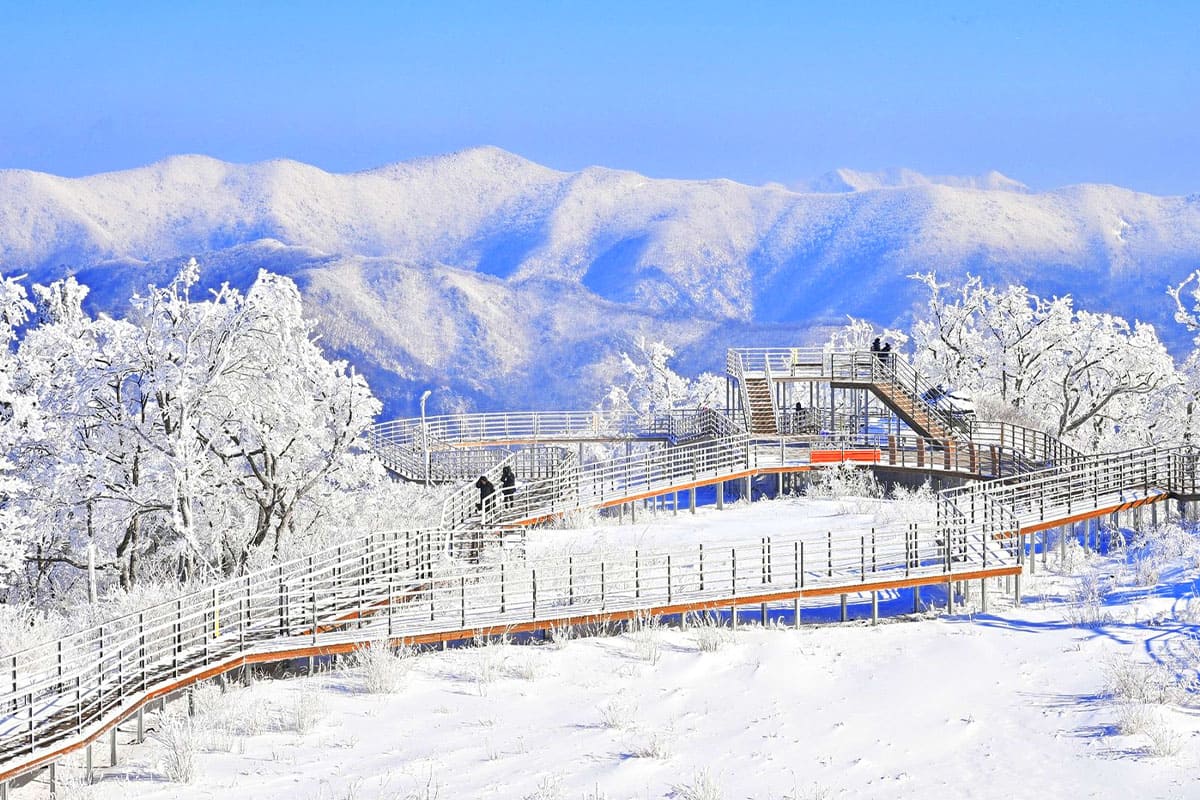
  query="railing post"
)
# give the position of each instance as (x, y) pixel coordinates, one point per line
(800, 565)
(142, 648)
(462, 600)
(668, 578)
(733, 571)
(533, 581)
(283, 621)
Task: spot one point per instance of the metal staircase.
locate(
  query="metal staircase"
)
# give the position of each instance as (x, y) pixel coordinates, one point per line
(760, 405)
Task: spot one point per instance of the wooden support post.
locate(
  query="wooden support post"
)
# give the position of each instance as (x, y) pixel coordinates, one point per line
(874, 608)
(950, 597)
(112, 745)
(1032, 553)
(692, 500)
(983, 595)
(141, 725)
(845, 615)
(1154, 514)
(916, 599)
(721, 496)
(90, 776)
(1017, 589)
(4, 790)
(796, 614)
(53, 779)
(633, 512)
(733, 617)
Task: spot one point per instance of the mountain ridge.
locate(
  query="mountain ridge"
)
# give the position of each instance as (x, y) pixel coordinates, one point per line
(451, 239)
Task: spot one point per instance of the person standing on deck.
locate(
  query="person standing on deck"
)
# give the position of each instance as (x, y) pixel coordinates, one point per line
(508, 484)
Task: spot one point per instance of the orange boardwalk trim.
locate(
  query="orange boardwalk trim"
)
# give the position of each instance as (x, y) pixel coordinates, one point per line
(1099, 512)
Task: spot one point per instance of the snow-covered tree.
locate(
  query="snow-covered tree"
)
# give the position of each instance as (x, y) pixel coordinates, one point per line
(19, 418)
(648, 385)
(187, 435)
(1086, 377)
(858, 334)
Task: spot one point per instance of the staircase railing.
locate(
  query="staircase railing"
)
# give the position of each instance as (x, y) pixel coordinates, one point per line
(862, 366)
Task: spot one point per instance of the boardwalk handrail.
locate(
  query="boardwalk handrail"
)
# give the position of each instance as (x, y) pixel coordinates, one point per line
(400, 584)
(1086, 482)
(464, 445)
(383, 585)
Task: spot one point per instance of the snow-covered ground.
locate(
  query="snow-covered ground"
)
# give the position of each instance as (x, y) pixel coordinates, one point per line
(1083, 691)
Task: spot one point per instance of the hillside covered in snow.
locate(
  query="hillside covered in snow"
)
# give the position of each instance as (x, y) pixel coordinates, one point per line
(502, 283)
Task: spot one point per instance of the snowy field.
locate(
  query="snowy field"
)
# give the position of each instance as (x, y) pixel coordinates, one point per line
(1087, 690)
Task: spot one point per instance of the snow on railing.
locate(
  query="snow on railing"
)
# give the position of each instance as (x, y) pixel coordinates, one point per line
(400, 584)
(392, 585)
(1082, 484)
(468, 445)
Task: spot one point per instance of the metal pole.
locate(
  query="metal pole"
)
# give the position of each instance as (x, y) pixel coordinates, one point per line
(425, 434)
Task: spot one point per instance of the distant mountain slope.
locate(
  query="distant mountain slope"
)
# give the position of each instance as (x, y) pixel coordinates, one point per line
(506, 283)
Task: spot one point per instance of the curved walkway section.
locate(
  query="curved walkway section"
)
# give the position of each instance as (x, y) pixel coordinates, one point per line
(407, 586)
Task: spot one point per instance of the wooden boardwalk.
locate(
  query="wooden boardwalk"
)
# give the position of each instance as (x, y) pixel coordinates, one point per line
(405, 586)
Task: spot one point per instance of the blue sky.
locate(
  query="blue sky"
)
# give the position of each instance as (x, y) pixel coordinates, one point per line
(1048, 93)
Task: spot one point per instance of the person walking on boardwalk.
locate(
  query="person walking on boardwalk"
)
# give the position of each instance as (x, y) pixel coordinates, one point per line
(508, 484)
(486, 490)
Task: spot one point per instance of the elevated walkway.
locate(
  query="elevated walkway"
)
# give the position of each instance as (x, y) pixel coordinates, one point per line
(412, 587)
(892, 380)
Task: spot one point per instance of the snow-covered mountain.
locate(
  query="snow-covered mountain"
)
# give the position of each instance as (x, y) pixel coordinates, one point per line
(506, 283)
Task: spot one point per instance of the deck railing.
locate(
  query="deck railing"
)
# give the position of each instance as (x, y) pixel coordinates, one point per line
(405, 584)
(864, 366)
(391, 584)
